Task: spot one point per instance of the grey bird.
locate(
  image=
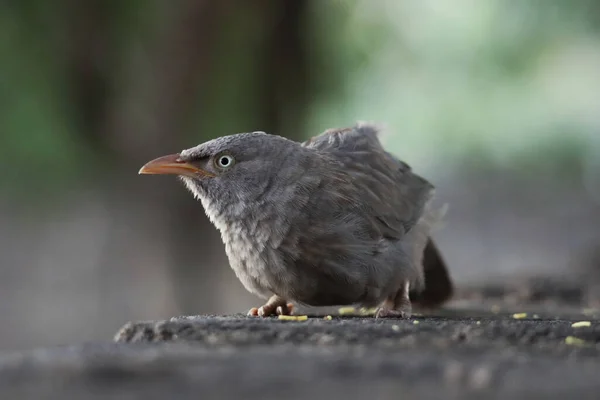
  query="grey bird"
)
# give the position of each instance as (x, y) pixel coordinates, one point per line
(333, 221)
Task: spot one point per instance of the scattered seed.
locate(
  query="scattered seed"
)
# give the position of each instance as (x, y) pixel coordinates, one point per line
(368, 311)
(581, 324)
(395, 328)
(415, 322)
(346, 310)
(478, 323)
(293, 318)
(328, 317)
(574, 341)
(520, 315)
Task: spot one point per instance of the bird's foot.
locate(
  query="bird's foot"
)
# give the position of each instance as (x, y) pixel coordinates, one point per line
(274, 306)
(398, 306)
(384, 312)
(268, 310)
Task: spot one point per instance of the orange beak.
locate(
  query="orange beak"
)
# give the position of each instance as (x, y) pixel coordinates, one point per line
(173, 165)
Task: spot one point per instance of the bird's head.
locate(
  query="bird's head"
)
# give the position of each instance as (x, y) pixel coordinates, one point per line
(234, 169)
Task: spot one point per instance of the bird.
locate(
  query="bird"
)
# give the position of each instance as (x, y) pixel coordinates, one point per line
(335, 220)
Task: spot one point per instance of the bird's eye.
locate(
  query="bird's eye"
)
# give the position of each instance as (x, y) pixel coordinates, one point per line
(225, 161)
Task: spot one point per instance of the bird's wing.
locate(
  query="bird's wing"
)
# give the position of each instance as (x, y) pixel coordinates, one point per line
(392, 196)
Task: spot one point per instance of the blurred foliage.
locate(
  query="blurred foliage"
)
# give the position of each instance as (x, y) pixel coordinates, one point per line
(486, 83)
(463, 80)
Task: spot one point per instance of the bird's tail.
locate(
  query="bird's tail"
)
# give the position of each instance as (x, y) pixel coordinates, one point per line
(419, 236)
(436, 286)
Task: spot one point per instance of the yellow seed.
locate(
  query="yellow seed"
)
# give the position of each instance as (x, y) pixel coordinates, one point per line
(368, 311)
(328, 317)
(415, 322)
(581, 324)
(520, 315)
(573, 341)
(347, 310)
(395, 328)
(293, 318)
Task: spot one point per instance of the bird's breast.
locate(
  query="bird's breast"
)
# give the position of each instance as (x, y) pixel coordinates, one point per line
(252, 257)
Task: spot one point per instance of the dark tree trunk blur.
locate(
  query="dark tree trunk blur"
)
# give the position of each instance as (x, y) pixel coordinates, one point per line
(282, 97)
(286, 69)
(162, 83)
(135, 106)
(178, 64)
(88, 55)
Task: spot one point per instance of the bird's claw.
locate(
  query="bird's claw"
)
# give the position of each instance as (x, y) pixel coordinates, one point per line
(398, 306)
(391, 313)
(286, 309)
(271, 309)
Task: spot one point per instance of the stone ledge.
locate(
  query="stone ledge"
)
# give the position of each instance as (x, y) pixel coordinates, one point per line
(227, 357)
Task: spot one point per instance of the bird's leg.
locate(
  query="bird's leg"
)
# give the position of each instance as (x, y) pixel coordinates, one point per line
(386, 309)
(402, 302)
(397, 306)
(274, 306)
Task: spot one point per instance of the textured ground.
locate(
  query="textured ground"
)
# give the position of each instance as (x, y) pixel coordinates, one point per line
(449, 356)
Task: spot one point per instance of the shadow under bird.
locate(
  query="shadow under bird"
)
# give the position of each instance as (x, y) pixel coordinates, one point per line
(336, 220)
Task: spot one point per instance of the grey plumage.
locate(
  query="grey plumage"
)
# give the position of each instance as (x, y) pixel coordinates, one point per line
(336, 220)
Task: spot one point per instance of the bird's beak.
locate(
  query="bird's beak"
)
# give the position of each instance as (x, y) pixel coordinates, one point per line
(172, 165)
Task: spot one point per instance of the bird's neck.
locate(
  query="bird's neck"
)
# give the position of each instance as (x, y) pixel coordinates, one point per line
(261, 221)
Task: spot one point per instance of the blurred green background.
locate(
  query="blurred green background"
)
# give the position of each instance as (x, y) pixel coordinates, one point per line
(497, 102)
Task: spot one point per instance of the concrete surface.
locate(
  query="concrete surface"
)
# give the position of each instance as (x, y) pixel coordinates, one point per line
(490, 354)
